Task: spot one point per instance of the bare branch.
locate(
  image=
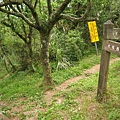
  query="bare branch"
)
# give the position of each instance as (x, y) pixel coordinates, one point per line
(61, 8)
(34, 13)
(87, 11)
(78, 19)
(17, 14)
(56, 15)
(13, 29)
(49, 7)
(35, 4)
(13, 8)
(19, 9)
(73, 19)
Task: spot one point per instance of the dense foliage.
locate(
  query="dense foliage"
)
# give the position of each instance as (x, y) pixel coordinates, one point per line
(20, 46)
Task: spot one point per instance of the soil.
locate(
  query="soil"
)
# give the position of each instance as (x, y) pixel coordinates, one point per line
(48, 95)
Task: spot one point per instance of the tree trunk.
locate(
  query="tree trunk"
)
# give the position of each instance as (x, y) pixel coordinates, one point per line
(44, 56)
(29, 56)
(8, 60)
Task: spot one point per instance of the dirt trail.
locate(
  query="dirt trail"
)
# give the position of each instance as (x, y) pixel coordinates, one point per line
(48, 95)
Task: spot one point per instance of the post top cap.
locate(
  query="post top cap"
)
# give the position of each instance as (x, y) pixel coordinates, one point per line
(108, 23)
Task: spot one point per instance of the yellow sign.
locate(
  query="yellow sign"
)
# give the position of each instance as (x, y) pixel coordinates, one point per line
(93, 31)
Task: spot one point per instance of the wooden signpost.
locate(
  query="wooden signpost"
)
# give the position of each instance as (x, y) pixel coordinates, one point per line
(109, 46)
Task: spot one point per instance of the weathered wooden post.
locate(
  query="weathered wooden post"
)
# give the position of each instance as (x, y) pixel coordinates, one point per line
(108, 46)
(104, 65)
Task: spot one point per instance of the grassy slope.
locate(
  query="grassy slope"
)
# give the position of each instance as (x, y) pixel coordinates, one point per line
(77, 102)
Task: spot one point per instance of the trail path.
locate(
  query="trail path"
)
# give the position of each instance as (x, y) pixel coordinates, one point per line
(49, 94)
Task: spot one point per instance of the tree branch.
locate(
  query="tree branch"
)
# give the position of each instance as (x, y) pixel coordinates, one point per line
(35, 4)
(34, 13)
(49, 7)
(61, 8)
(56, 15)
(78, 19)
(14, 30)
(13, 8)
(75, 19)
(19, 9)
(18, 14)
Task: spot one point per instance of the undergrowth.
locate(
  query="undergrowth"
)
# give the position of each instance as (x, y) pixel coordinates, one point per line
(77, 102)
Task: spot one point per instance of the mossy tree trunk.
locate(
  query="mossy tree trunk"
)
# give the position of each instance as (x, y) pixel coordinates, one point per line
(44, 57)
